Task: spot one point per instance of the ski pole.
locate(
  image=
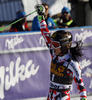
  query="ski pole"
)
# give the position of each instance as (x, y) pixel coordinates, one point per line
(1, 29)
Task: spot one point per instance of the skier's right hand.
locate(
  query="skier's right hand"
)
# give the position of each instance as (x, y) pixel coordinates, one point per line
(40, 9)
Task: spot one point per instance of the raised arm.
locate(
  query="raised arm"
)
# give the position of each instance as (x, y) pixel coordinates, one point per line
(43, 26)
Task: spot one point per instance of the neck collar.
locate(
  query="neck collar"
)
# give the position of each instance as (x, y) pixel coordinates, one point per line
(64, 58)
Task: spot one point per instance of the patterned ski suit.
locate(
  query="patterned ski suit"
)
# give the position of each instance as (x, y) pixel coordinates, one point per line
(63, 71)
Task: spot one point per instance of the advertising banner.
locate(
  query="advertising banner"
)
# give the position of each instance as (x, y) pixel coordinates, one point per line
(25, 64)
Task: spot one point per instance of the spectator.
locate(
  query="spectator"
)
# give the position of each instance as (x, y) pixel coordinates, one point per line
(21, 25)
(65, 20)
(48, 19)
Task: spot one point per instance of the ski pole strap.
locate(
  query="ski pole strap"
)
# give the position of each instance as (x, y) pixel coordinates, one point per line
(41, 18)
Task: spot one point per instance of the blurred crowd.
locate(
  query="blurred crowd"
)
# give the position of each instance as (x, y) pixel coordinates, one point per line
(64, 21)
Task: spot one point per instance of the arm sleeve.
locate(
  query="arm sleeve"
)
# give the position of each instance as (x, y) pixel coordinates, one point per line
(75, 68)
(45, 33)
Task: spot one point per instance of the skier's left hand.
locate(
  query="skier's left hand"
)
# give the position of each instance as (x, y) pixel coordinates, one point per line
(40, 9)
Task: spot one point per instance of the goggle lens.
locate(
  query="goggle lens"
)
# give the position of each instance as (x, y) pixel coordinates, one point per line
(55, 44)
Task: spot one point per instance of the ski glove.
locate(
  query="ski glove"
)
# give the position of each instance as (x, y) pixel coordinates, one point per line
(84, 99)
(40, 9)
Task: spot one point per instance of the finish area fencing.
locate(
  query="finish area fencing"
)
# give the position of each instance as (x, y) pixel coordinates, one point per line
(25, 61)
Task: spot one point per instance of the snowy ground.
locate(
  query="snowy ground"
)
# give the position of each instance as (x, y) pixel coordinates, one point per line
(73, 98)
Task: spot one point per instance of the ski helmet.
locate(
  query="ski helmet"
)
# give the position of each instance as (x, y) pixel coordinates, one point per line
(63, 37)
(20, 14)
(65, 9)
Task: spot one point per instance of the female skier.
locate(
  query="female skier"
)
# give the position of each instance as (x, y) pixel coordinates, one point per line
(64, 65)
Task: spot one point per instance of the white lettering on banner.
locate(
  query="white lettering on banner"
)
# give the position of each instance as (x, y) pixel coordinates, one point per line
(13, 42)
(83, 35)
(41, 41)
(90, 86)
(2, 73)
(84, 63)
(17, 71)
(88, 71)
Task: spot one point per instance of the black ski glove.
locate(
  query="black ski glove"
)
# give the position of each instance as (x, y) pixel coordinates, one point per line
(41, 11)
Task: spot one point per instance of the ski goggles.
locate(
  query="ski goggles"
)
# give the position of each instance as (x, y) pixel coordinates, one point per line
(55, 44)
